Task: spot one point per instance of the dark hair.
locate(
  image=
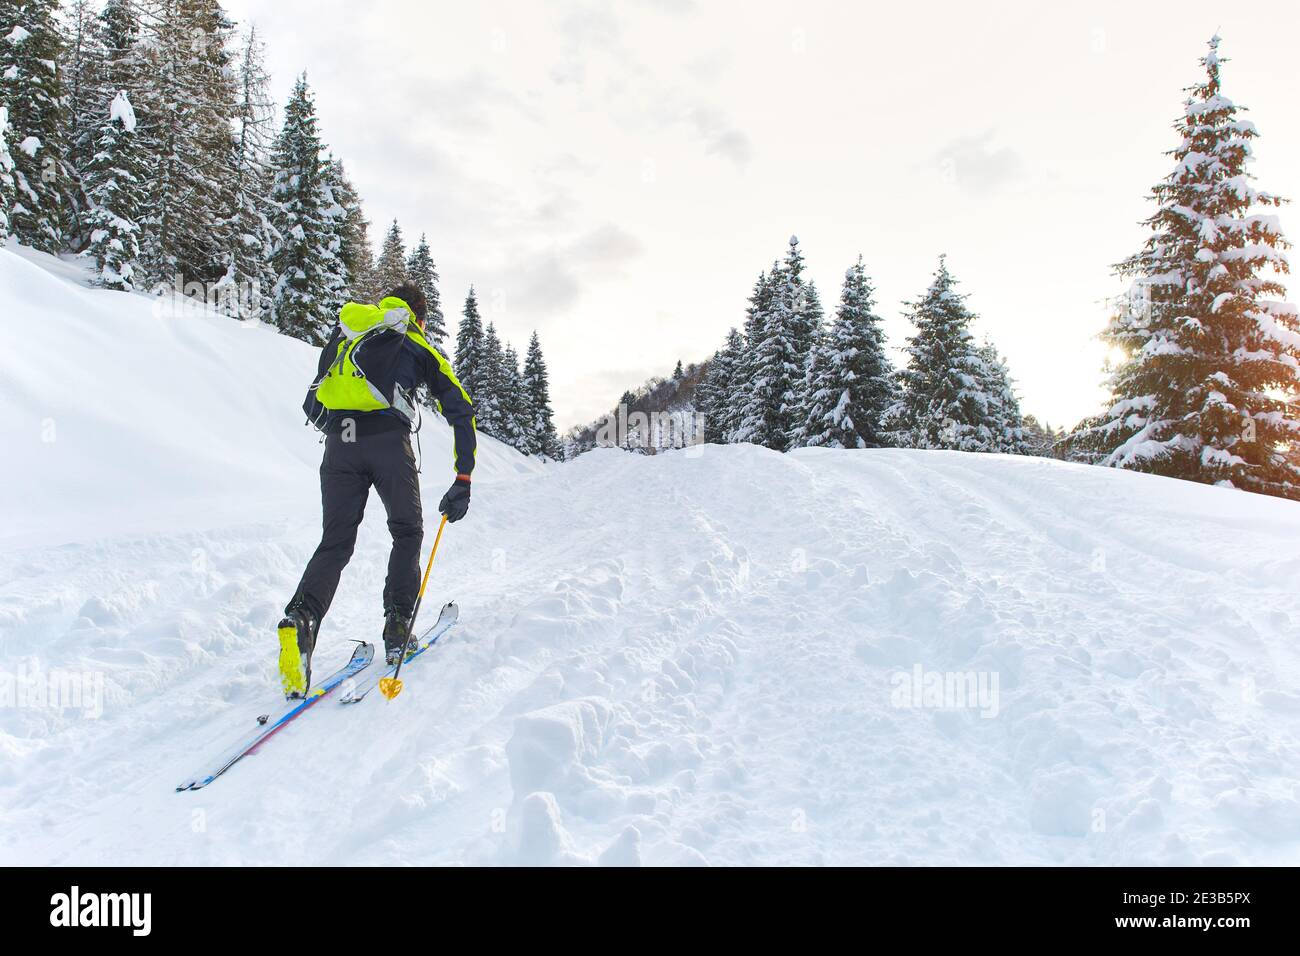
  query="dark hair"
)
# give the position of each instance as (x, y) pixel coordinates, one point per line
(412, 295)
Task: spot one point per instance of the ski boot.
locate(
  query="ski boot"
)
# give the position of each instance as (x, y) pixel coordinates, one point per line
(297, 641)
(398, 639)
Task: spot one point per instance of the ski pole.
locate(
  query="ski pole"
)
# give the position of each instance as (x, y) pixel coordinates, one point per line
(390, 687)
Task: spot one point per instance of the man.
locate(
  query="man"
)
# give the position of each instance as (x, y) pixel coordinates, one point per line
(363, 399)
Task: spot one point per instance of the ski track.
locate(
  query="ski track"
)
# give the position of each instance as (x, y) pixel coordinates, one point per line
(687, 659)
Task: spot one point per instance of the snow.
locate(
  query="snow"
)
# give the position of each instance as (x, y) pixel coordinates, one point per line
(688, 658)
(18, 35)
(121, 111)
(30, 145)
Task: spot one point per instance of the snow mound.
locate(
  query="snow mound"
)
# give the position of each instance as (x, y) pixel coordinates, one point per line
(719, 656)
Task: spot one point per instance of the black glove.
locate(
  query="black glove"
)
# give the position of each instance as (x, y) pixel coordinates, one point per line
(455, 502)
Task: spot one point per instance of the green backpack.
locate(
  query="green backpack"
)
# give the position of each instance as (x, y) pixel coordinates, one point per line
(363, 375)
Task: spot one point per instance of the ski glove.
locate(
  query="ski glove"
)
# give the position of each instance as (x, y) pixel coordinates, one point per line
(455, 502)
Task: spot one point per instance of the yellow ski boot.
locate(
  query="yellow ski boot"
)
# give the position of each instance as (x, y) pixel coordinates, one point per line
(297, 635)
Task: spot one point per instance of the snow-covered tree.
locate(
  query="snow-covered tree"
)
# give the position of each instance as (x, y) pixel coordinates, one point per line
(851, 380)
(489, 402)
(390, 270)
(310, 281)
(421, 270)
(80, 70)
(1002, 412)
(79, 66)
(944, 403)
(1207, 387)
(355, 249)
(542, 437)
(6, 175)
(31, 43)
(1041, 439)
(115, 188)
(800, 297)
(470, 360)
(780, 345)
(515, 411)
(247, 234)
(187, 112)
(759, 303)
(716, 395)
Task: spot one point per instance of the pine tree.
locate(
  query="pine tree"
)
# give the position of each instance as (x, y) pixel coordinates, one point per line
(1041, 439)
(470, 360)
(515, 413)
(489, 405)
(715, 396)
(801, 299)
(248, 238)
(338, 228)
(115, 187)
(421, 270)
(31, 44)
(756, 310)
(80, 68)
(542, 437)
(310, 283)
(1207, 387)
(6, 175)
(784, 329)
(851, 379)
(355, 250)
(117, 65)
(1002, 414)
(943, 404)
(187, 114)
(707, 400)
(390, 270)
(116, 60)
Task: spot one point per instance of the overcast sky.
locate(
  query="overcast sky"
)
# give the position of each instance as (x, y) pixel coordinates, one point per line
(615, 175)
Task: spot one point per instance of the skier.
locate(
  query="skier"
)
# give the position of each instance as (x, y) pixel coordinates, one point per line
(367, 417)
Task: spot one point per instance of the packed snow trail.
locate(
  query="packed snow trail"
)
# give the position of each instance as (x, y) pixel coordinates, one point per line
(689, 658)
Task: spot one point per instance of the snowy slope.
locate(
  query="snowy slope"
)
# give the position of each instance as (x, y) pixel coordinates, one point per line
(687, 658)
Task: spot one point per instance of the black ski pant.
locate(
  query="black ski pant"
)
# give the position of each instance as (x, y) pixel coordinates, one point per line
(347, 472)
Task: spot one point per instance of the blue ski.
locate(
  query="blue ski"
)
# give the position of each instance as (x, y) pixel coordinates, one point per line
(357, 692)
(271, 724)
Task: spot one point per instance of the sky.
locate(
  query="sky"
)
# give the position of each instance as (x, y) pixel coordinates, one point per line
(615, 175)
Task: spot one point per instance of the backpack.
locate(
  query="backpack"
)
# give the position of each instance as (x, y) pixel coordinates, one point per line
(362, 376)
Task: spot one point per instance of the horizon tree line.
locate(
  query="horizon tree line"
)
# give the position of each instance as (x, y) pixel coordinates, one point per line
(790, 379)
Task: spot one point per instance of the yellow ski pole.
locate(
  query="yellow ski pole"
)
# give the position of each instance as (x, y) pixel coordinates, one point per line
(390, 687)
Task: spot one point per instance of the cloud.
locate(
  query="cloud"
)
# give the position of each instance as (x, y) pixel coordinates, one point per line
(608, 247)
(556, 212)
(547, 281)
(709, 67)
(468, 102)
(972, 165)
(565, 165)
(586, 29)
(720, 137)
(534, 283)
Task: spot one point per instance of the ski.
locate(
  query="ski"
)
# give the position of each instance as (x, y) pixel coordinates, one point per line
(269, 724)
(446, 618)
